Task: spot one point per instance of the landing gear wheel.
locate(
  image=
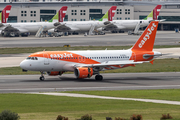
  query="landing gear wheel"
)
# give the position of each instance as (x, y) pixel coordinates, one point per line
(99, 77)
(42, 78)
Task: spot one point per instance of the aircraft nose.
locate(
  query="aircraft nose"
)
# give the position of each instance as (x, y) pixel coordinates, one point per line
(23, 65)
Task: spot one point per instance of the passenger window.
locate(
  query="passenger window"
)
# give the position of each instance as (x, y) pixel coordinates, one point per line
(32, 58)
(36, 58)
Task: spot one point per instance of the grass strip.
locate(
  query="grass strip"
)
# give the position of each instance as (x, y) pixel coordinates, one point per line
(160, 65)
(44, 107)
(36, 49)
(162, 94)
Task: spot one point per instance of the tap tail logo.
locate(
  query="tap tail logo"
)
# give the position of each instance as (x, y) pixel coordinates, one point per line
(111, 13)
(62, 13)
(146, 40)
(5, 14)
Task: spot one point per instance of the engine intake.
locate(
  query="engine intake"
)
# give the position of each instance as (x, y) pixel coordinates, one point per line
(83, 72)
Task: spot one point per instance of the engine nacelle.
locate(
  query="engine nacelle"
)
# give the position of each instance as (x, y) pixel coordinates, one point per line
(54, 73)
(83, 72)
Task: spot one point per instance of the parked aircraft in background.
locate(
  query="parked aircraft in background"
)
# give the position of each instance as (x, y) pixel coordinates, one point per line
(84, 26)
(4, 15)
(84, 64)
(23, 29)
(119, 25)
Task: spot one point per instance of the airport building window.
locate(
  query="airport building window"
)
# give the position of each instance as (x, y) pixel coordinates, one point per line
(73, 12)
(31, 21)
(23, 12)
(95, 16)
(48, 11)
(95, 11)
(21, 20)
(125, 11)
(46, 17)
(24, 20)
(34, 20)
(83, 12)
(31, 14)
(119, 11)
(12, 19)
(119, 18)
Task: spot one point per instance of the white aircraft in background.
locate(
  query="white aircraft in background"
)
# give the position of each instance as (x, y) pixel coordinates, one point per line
(85, 26)
(118, 25)
(4, 15)
(16, 29)
(84, 64)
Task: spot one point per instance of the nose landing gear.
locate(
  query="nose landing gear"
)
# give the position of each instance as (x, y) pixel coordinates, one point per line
(42, 76)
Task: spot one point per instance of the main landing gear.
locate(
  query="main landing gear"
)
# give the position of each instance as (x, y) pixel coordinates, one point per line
(42, 76)
(99, 77)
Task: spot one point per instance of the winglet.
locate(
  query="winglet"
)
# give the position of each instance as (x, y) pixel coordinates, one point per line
(146, 40)
(5, 14)
(59, 17)
(154, 14)
(109, 14)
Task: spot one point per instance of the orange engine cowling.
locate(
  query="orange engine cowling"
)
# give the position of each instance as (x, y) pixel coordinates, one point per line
(54, 73)
(83, 72)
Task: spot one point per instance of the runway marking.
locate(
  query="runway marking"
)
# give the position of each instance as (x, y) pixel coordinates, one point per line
(112, 98)
(90, 88)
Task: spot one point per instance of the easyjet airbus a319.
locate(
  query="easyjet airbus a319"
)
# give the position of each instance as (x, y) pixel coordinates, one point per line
(84, 64)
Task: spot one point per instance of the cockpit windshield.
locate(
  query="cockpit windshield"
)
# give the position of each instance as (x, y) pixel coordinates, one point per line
(32, 58)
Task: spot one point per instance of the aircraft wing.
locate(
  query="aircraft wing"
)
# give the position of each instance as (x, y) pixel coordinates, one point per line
(10, 28)
(108, 63)
(1, 25)
(112, 26)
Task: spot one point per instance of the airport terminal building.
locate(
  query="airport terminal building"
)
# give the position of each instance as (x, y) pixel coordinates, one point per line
(83, 10)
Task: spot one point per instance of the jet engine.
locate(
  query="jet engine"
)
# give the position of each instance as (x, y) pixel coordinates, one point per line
(83, 72)
(54, 73)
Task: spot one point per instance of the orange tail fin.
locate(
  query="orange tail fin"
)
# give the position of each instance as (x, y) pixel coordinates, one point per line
(146, 40)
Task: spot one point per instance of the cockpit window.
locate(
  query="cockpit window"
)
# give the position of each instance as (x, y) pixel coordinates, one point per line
(32, 58)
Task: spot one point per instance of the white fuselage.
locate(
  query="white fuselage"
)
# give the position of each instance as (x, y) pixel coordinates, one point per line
(82, 25)
(129, 24)
(67, 60)
(63, 61)
(31, 26)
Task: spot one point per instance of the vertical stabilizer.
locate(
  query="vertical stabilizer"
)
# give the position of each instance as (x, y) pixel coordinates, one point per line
(109, 14)
(59, 17)
(147, 39)
(62, 13)
(154, 14)
(5, 14)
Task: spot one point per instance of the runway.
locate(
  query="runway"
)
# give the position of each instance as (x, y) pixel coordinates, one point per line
(67, 82)
(119, 39)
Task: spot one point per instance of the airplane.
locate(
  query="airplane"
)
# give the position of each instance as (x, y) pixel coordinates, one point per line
(84, 26)
(4, 15)
(84, 64)
(16, 29)
(118, 25)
